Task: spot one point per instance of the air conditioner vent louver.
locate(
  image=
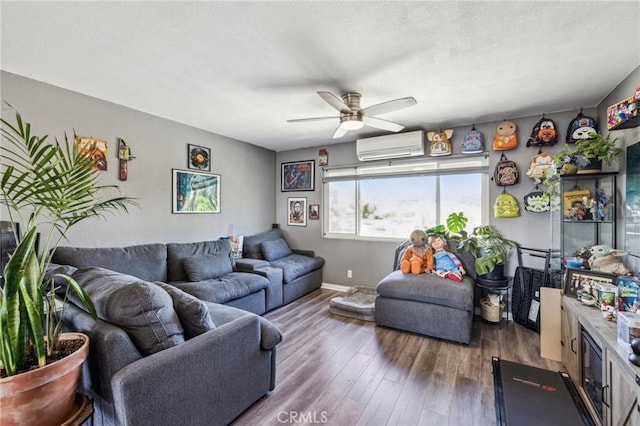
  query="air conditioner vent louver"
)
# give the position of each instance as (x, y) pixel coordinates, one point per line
(399, 145)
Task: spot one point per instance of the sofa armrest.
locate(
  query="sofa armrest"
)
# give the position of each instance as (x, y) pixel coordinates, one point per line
(309, 253)
(274, 296)
(209, 379)
(250, 265)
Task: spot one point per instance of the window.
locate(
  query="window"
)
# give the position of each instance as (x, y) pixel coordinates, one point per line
(389, 200)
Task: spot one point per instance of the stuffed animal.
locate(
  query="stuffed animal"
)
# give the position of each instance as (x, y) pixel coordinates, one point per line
(606, 259)
(447, 264)
(418, 257)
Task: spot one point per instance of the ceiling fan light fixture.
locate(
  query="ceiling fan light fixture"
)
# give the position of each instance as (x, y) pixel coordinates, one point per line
(351, 122)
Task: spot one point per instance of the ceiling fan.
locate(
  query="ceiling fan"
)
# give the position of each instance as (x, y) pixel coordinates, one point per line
(353, 117)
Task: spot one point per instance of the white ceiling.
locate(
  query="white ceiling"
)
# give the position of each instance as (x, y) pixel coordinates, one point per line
(241, 69)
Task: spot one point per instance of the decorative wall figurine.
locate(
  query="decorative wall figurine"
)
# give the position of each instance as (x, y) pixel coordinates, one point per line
(505, 137)
(124, 155)
(473, 142)
(440, 143)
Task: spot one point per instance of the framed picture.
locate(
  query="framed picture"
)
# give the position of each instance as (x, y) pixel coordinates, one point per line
(199, 157)
(297, 211)
(573, 203)
(323, 157)
(314, 211)
(298, 176)
(195, 192)
(97, 148)
(585, 280)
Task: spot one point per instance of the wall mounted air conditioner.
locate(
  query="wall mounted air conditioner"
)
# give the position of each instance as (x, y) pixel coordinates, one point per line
(398, 145)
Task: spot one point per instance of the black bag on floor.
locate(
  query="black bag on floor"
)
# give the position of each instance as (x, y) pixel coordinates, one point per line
(525, 302)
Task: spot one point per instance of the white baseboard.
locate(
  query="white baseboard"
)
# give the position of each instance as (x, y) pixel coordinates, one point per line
(335, 287)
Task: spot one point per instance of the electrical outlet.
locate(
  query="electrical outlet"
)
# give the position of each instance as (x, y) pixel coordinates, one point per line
(349, 273)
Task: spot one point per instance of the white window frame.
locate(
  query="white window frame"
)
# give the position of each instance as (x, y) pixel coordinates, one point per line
(390, 168)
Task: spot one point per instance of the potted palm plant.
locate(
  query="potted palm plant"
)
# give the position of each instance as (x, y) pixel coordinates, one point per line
(47, 188)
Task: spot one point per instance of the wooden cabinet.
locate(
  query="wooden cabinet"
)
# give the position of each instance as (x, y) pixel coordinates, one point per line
(621, 379)
(620, 393)
(570, 341)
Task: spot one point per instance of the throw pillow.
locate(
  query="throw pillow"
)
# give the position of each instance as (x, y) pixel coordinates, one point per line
(275, 249)
(193, 313)
(206, 267)
(142, 309)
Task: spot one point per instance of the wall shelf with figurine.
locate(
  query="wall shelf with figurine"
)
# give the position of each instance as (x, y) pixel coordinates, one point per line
(586, 213)
(624, 114)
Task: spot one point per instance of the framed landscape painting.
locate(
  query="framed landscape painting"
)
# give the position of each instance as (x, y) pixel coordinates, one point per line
(195, 192)
(298, 176)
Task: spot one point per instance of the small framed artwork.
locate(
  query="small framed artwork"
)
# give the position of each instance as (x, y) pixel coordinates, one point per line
(195, 192)
(298, 176)
(97, 148)
(323, 157)
(314, 211)
(574, 204)
(297, 208)
(199, 157)
(584, 280)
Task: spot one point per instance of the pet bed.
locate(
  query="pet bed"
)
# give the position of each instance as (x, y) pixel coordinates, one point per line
(359, 302)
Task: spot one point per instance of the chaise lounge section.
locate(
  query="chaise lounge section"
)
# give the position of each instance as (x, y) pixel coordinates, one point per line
(426, 303)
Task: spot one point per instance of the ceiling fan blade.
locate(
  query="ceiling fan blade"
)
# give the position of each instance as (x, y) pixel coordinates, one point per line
(379, 123)
(335, 101)
(389, 106)
(302, 120)
(340, 132)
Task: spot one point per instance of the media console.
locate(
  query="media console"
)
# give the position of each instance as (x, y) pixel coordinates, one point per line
(599, 366)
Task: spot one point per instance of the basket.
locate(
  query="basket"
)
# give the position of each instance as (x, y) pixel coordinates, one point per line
(489, 312)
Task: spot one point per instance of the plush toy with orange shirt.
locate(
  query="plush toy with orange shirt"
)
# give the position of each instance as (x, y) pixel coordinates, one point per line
(418, 257)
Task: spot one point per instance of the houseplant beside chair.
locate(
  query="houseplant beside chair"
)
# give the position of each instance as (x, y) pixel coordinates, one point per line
(47, 188)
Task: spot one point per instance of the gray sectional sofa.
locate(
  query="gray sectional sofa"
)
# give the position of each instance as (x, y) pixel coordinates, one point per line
(179, 339)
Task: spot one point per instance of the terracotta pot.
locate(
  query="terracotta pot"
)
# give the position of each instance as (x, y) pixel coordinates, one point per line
(44, 396)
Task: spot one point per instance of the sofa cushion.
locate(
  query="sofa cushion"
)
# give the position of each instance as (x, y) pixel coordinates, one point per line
(147, 262)
(177, 252)
(206, 266)
(225, 288)
(428, 288)
(297, 265)
(275, 249)
(193, 312)
(251, 244)
(144, 310)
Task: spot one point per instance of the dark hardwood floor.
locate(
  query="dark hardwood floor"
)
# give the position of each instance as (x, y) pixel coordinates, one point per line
(339, 371)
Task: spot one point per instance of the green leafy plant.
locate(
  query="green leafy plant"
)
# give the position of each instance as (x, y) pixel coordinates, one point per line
(488, 247)
(452, 229)
(47, 188)
(599, 148)
(484, 243)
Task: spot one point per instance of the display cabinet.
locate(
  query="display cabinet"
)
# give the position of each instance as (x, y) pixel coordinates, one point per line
(583, 213)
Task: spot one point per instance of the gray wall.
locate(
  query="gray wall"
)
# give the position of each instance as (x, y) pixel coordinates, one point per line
(372, 260)
(626, 137)
(159, 145)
